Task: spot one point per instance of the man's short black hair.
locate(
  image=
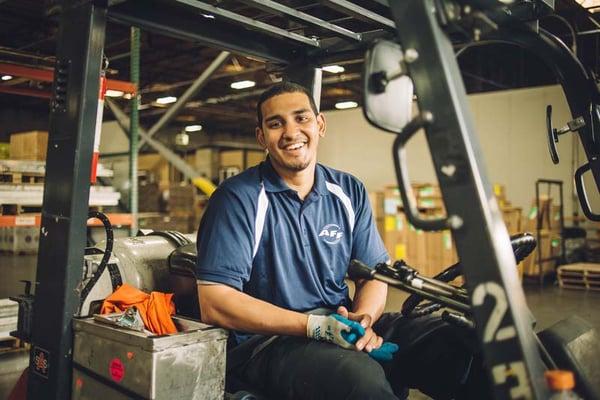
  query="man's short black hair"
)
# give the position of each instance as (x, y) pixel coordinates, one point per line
(281, 88)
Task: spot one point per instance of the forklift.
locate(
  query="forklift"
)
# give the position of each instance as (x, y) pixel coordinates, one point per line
(409, 53)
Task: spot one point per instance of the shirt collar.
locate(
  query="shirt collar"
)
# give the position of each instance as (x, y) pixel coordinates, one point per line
(274, 183)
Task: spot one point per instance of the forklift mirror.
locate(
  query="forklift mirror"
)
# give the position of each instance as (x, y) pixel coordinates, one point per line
(387, 90)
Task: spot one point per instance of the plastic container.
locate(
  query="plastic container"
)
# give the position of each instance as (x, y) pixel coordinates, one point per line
(561, 383)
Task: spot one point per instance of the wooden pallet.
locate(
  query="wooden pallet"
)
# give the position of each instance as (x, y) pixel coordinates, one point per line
(20, 177)
(582, 276)
(10, 343)
(18, 209)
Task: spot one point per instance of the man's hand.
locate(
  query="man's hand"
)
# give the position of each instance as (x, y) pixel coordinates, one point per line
(370, 340)
(333, 328)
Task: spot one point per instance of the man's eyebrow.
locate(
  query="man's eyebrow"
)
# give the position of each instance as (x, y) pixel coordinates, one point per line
(295, 112)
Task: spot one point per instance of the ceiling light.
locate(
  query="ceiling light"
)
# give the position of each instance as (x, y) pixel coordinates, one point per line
(243, 84)
(128, 96)
(193, 128)
(343, 105)
(334, 69)
(6, 77)
(166, 100)
(114, 93)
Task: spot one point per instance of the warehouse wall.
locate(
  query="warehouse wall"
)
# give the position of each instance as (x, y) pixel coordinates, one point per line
(511, 130)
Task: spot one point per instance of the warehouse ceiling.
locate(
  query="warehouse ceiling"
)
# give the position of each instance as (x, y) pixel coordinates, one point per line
(28, 31)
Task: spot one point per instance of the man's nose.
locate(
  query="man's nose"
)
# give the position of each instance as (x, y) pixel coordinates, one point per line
(291, 128)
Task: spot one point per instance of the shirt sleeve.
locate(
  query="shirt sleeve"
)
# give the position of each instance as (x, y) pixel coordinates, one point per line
(225, 240)
(367, 245)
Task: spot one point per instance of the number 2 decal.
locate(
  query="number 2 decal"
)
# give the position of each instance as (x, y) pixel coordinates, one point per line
(492, 330)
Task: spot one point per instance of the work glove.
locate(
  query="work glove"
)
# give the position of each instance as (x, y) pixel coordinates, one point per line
(345, 333)
(335, 329)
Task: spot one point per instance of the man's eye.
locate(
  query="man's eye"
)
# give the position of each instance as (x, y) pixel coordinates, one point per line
(302, 118)
(274, 125)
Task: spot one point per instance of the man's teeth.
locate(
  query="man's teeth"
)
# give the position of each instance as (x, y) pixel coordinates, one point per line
(294, 146)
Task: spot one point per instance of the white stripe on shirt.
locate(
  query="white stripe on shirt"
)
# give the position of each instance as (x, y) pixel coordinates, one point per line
(259, 223)
(339, 192)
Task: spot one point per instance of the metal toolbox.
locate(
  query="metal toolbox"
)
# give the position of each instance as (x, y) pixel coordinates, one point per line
(114, 363)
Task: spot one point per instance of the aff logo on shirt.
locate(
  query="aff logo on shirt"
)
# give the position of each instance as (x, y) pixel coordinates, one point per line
(331, 234)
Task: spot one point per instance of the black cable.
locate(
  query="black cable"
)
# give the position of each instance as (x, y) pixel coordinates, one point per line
(107, 253)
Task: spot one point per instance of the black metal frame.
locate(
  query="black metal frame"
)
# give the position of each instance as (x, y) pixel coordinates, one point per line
(500, 312)
(66, 195)
(499, 308)
(540, 222)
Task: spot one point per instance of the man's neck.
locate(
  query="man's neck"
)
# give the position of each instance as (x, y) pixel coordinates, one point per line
(300, 181)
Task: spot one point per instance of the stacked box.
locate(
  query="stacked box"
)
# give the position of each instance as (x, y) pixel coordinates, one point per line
(19, 239)
(157, 169)
(416, 249)
(391, 222)
(164, 222)
(512, 217)
(181, 199)
(429, 197)
(500, 193)
(4, 151)
(550, 246)
(29, 145)
(149, 197)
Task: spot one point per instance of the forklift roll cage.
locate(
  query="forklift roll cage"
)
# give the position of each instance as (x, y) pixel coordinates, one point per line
(502, 318)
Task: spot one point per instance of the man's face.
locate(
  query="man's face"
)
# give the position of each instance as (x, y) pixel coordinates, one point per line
(290, 131)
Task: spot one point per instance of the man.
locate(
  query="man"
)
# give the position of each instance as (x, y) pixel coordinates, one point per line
(273, 249)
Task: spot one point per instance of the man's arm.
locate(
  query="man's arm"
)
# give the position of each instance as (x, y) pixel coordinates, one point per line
(369, 298)
(229, 308)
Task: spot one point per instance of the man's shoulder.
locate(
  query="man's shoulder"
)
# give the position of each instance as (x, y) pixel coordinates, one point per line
(246, 182)
(347, 181)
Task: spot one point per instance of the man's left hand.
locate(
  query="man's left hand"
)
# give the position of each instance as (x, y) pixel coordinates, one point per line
(370, 340)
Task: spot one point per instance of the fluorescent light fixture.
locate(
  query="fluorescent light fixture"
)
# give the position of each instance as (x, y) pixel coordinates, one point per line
(114, 93)
(166, 100)
(243, 84)
(6, 77)
(193, 128)
(209, 16)
(128, 96)
(344, 105)
(334, 69)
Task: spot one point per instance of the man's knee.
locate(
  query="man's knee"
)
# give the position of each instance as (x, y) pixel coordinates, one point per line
(362, 378)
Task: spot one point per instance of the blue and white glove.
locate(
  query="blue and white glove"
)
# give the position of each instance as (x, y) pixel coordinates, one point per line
(335, 329)
(345, 333)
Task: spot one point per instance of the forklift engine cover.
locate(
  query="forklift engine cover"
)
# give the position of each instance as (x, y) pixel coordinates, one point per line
(140, 261)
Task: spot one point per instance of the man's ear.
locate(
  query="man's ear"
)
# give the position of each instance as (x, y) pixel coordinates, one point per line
(260, 137)
(322, 124)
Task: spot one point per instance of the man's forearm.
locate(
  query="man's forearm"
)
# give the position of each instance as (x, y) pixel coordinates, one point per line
(369, 298)
(229, 308)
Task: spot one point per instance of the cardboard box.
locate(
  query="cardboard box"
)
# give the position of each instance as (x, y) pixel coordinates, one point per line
(232, 158)
(254, 158)
(158, 169)
(426, 190)
(149, 197)
(549, 246)
(31, 145)
(394, 231)
(512, 217)
(416, 249)
(4, 151)
(181, 198)
(430, 203)
(377, 204)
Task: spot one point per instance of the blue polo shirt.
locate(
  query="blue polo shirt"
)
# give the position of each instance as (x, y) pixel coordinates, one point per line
(259, 237)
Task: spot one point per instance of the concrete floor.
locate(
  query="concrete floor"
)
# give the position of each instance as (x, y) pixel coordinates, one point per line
(549, 305)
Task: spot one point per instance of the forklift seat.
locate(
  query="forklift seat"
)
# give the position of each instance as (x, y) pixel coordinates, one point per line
(573, 345)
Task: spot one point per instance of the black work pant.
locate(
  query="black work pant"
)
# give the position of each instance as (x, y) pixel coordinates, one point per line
(434, 357)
